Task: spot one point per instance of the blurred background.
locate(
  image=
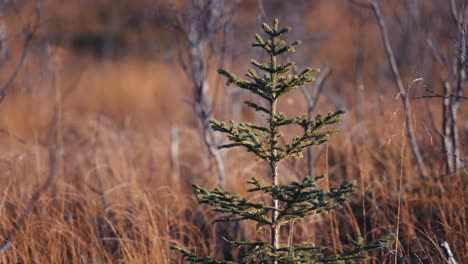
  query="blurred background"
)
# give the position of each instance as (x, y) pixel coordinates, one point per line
(124, 90)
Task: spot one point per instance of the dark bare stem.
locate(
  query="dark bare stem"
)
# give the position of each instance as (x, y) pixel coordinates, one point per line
(54, 161)
(174, 152)
(452, 89)
(460, 79)
(54, 164)
(362, 3)
(95, 167)
(358, 62)
(401, 90)
(312, 98)
(447, 129)
(7, 86)
(200, 34)
(453, 9)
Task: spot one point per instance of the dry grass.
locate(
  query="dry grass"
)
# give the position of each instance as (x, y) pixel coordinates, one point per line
(139, 212)
(116, 201)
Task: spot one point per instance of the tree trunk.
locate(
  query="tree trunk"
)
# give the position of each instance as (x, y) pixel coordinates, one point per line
(274, 174)
(401, 89)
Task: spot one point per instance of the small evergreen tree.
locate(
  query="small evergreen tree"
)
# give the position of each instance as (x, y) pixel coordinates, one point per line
(288, 202)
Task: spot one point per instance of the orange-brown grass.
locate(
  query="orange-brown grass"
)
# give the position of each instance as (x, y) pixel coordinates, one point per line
(139, 212)
(117, 198)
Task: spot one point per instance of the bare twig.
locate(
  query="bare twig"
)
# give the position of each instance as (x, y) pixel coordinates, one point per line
(358, 63)
(312, 98)
(8, 133)
(437, 53)
(441, 96)
(54, 153)
(452, 87)
(200, 22)
(29, 32)
(459, 78)
(54, 161)
(365, 4)
(100, 189)
(453, 10)
(399, 83)
(174, 152)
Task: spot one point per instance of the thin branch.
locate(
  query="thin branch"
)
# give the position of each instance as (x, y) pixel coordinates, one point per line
(312, 98)
(8, 133)
(432, 119)
(54, 155)
(436, 95)
(364, 4)
(7, 86)
(200, 22)
(54, 161)
(320, 83)
(100, 189)
(438, 55)
(454, 11)
(399, 83)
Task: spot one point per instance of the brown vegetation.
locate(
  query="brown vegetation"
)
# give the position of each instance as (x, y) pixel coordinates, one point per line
(115, 199)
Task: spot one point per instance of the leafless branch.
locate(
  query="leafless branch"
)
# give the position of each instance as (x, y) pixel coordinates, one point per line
(312, 98)
(201, 21)
(8, 133)
(456, 86)
(29, 32)
(453, 10)
(99, 190)
(174, 155)
(452, 86)
(54, 153)
(364, 4)
(440, 58)
(374, 5)
(441, 96)
(54, 162)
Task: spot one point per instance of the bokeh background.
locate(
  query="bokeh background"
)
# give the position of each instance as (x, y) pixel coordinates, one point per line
(112, 85)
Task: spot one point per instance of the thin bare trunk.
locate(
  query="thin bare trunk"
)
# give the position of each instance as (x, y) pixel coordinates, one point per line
(453, 92)
(201, 22)
(275, 229)
(174, 152)
(401, 89)
(54, 161)
(374, 5)
(447, 129)
(452, 89)
(29, 31)
(460, 78)
(358, 61)
(312, 98)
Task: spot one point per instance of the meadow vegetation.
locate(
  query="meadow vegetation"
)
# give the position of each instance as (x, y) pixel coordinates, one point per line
(104, 115)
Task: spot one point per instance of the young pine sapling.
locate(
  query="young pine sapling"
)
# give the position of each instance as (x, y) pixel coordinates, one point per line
(288, 202)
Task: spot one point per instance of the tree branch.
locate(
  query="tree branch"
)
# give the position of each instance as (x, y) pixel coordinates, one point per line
(54, 162)
(29, 37)
(399, 83)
